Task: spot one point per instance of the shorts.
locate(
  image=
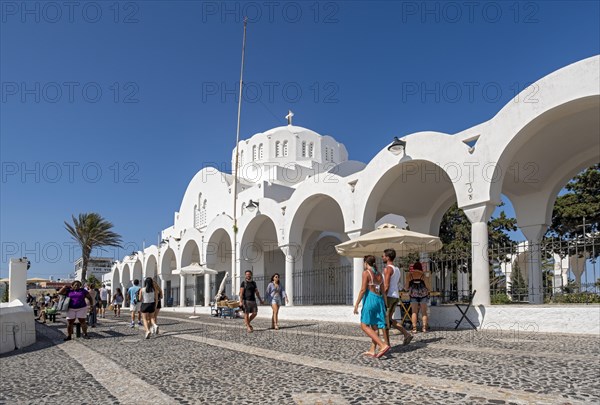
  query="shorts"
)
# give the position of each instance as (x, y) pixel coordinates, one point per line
(250, 307)
(136, 307)
(159, 304)
(148, 307)
(103, 304)
(277, 300)
(389, 312)
(77, 313)
(419, 300)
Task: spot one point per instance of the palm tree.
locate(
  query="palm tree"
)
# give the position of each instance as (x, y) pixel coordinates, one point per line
(90, 230)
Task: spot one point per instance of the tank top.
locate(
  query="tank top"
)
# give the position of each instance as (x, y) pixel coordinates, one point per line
(147, 297)
(394, 280)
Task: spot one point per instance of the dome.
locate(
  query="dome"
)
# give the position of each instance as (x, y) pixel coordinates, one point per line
(287, 147)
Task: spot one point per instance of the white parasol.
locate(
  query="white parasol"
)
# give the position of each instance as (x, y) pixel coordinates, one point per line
(389, 236)
(194, 269)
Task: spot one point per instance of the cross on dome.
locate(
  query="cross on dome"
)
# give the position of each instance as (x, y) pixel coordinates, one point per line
(289, 117)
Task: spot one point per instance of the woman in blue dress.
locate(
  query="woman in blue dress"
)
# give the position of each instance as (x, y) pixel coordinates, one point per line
(372, 316)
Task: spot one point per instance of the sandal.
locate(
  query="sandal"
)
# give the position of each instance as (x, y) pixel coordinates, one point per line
(383, 352)
(369, 354)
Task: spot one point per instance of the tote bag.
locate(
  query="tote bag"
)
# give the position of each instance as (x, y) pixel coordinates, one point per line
(63, 303)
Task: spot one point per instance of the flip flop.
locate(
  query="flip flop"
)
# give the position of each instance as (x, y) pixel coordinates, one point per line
(369, 354)
(383, 352)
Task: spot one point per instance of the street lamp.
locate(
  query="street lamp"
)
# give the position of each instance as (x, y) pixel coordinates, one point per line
(252, 206)
(398, 146)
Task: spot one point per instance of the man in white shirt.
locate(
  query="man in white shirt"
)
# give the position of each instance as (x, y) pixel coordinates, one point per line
(104, 298)
(391, 279)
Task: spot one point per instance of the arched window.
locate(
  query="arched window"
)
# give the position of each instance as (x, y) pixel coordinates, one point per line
(254, 153)
(285, 148)
(277, 148)
(311, 150)
(303, 148)
(260, 152)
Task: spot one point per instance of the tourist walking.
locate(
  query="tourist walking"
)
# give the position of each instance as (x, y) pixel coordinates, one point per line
(418, 286)
(372, 317)
(275, 294)
(248, 294)
(147, 297)
(92, 309)
(158, 304)
(78, 307)
(134, 304)
(391, 279)
(104, 297)
(117, 302)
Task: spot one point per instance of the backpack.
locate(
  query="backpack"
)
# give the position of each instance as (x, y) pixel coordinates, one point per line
(417, 288)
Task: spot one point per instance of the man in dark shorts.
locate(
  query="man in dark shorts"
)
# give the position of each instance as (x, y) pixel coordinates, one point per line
(391, 280)
(248, 294)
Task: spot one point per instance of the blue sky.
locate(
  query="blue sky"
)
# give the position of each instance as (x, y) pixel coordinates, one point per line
(114, 106)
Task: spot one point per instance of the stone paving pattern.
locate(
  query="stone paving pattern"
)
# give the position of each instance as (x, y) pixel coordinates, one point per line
(183, 364)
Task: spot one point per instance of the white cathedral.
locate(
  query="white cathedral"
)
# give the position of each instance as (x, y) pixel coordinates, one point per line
(298, 196)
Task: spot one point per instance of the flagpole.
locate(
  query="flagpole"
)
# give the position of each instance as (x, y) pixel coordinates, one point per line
(236, 166)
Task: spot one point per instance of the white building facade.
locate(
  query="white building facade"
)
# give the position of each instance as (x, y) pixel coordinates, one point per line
(307, 196)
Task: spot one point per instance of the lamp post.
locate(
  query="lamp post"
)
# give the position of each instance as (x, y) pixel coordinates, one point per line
(398, 146)
(252, 206)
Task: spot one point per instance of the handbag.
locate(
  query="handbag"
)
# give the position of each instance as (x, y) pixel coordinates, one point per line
(63, 304)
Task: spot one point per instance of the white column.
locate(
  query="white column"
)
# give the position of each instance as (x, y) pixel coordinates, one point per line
(291, 253)
(358, 267)
(207, 291)
(181, 290)
(479, 215)
(235, 273)
(534, 234)
(163, 286)
(17, 280)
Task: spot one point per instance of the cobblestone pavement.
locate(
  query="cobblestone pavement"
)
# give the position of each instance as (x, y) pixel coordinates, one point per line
(210, 360)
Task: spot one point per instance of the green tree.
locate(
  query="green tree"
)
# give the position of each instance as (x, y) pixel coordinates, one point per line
(90, 230)
(5, 293)
(92, 280)
(517, 288)
(455, 230)
(582, 200)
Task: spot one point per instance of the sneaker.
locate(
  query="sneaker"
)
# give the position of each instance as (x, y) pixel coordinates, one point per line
(140, 323)
(67, 338)
(132, 324)
(147, 335)
(85, 336)
(156, 329)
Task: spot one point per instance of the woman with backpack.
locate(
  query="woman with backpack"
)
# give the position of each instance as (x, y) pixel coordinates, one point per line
(418, 286)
